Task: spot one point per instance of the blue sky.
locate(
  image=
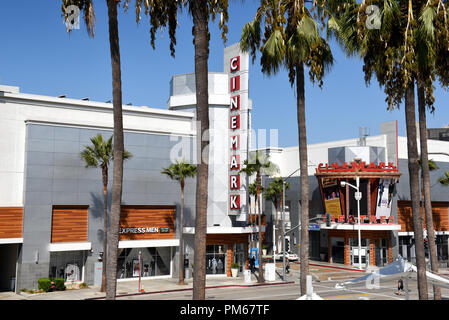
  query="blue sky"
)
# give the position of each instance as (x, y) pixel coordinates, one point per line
(40, 57)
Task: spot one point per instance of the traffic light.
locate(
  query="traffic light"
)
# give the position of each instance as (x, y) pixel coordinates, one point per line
(328, 219)
(426, 244)
(287, 245)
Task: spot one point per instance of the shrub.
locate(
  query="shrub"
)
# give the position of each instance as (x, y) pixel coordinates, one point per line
(235, 265)
(44, 284)
(83, 285)
(59, 284)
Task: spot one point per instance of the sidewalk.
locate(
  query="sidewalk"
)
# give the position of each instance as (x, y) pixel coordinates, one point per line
(150, 287)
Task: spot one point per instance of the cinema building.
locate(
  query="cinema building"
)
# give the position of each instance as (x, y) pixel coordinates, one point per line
(51, 205)
(381, 166)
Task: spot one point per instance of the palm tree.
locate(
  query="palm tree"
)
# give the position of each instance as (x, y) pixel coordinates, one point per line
(432, 28)
(291, 39)
(86, 6)
(99, 154)
(160, 14)
(252, 192)
(179, 171)
(427, 204)
(274, 193)
(390, 53)
(444, 180)
(260, 164)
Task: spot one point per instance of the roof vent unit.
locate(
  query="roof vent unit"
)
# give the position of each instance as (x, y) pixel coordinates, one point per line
(363, 133)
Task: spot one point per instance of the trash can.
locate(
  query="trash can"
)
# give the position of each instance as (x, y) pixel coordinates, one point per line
(270, 272)
(247, 275)
(188, 273)
(13, 283)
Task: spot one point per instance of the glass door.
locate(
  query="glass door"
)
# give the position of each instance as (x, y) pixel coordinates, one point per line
(239, 255)
(354, 251)
(381, 252)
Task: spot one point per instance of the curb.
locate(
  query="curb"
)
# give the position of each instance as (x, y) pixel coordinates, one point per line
(188, 289)
(333, 267)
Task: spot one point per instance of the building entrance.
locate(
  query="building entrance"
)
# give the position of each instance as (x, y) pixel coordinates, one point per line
(381, 252)
(8, 261)
(354, 251)
(338, 250)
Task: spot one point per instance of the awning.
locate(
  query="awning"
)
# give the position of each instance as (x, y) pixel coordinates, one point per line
(69, 246)
(363, 226)
(11, 240)
(225, 230)
(148, 243)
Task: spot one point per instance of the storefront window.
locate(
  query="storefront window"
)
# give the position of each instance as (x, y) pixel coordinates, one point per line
(153, 262)
(215, 259)
(67, 265)
(442, 247)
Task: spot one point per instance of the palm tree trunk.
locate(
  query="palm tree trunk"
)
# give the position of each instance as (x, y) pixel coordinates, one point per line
(426, 185)
(276, 229)
(111, 272)
(105, 227)
(261, 275)
(181, 238)
(413, 169)
(200, 30)
(304, 250)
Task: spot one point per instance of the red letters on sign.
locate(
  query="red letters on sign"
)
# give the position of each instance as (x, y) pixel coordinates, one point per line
(372, 219)
(234, 122)
(383, 219)
(235, 83)
(235, 142)
(235, 162)
(234, 182)
(235, 103)
(235, 64)
(234, 201)
(341, 219)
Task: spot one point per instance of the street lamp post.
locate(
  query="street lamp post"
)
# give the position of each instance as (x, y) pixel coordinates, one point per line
(358, 197)
(283, 229)
(283, 222)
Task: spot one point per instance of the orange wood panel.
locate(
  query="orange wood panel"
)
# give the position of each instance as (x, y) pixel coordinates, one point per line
(11, 222)
(227, 238)
(230, 259)
(147, 217)
(69, 224)
(440, 214)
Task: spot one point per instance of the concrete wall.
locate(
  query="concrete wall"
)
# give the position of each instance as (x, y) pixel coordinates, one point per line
(18, 108)
(56, 175)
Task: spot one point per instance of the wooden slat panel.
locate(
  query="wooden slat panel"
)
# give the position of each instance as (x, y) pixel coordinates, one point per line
(405, 218)
(148, 217)
(227, 238)
(440, 214)
(69, 224)
(11, 222)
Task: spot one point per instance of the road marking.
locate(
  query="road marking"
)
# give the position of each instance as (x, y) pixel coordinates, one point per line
(347, 295)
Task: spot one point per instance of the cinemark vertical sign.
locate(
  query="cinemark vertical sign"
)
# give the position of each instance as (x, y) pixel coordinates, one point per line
(236, 65)
(234, 127)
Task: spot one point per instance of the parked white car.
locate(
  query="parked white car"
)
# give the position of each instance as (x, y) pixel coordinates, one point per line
(290, 256)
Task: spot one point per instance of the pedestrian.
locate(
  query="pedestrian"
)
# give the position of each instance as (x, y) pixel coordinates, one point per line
(252, 263)
(400, 286)
(287, 267)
